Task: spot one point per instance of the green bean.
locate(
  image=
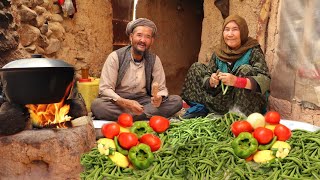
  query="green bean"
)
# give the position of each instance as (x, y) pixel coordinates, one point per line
(289, 177)
(315, 140)
(239, 172)
(276, 175)
(97, 173)
(315, 175)
(296, 160)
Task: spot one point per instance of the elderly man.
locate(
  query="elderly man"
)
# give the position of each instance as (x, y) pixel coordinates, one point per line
(133, 80)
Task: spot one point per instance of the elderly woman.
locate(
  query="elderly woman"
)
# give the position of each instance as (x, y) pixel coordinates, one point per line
(235, 79)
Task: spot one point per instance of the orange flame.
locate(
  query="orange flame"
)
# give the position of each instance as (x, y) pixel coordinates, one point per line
(43, 115)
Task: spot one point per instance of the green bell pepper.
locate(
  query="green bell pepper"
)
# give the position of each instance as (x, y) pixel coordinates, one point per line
(141, 156)
(244, 145)
(140, 128)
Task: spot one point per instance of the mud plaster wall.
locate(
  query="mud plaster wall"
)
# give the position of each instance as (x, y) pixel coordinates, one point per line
(88, 37)
(250, 10)
(178, 38)
(212, 23)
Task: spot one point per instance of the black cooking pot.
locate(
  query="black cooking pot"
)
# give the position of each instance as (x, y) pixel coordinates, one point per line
(36, 80)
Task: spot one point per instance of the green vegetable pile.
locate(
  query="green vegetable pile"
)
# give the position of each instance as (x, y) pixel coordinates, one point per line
(200, 148)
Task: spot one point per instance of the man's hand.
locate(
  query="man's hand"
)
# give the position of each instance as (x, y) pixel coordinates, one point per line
(131, 105)
(155, 99)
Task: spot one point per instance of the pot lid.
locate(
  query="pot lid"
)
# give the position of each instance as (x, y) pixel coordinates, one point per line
(36, 63)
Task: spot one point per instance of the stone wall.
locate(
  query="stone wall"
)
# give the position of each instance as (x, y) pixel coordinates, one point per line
(9, 46)
(84, 39)
(41, 31)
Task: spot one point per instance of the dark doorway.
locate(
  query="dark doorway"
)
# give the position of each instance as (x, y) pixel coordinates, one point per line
(122, 11)
(178, 40)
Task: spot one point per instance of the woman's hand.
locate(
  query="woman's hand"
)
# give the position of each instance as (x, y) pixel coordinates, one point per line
(214, 80)
(227, 79)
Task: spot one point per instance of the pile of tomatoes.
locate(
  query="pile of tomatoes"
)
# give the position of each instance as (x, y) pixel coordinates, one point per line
(268, 126)
(264, 128)
(128, 139)
(122, 138)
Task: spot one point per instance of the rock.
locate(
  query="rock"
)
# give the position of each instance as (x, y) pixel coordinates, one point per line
(38, 2)
(28, 34)
(8, 41)
(39, 10)
(40, 50)
(45, 153)
(17, 3)
(31, 48)
(13, 118)
(41, 20)
(54, 46)
(27, 3)
(57, 29)
(27, 14)
(46, 4)
(56, 18)
(56, 9)
(44, 29)
(5, 19)
(1, 5)
(43, 41)
(32, 3)
(49, 32)
(77, 108)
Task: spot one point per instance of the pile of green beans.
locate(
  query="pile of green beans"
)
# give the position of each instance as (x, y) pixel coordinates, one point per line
(200, 148)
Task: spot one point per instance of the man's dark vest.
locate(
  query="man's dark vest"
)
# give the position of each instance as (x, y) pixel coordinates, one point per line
(124, 55)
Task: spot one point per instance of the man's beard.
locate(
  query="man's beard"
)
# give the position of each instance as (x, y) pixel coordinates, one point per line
(136, 51)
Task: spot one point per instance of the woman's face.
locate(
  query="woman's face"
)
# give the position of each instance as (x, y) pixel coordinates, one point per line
(231, 35)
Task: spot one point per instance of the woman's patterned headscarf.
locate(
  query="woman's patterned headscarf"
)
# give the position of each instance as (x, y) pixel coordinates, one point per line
(224, 52)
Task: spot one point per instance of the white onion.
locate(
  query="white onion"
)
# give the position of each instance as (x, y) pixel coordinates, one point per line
(256, 120)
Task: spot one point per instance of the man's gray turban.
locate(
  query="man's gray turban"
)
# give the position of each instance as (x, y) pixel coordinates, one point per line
(141, 22)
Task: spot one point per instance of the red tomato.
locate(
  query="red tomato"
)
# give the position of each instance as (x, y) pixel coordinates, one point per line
(125, 120)
(241, 126)
(272, 117)
(127, 140)
(282, 132)
(159, 124)
(263, 135)
(152, 140)
(110, 130)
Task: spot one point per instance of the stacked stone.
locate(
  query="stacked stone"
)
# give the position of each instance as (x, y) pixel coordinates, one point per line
(41, 30)
(8, 35)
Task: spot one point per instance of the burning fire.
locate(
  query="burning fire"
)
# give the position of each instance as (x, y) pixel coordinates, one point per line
(45, 115)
